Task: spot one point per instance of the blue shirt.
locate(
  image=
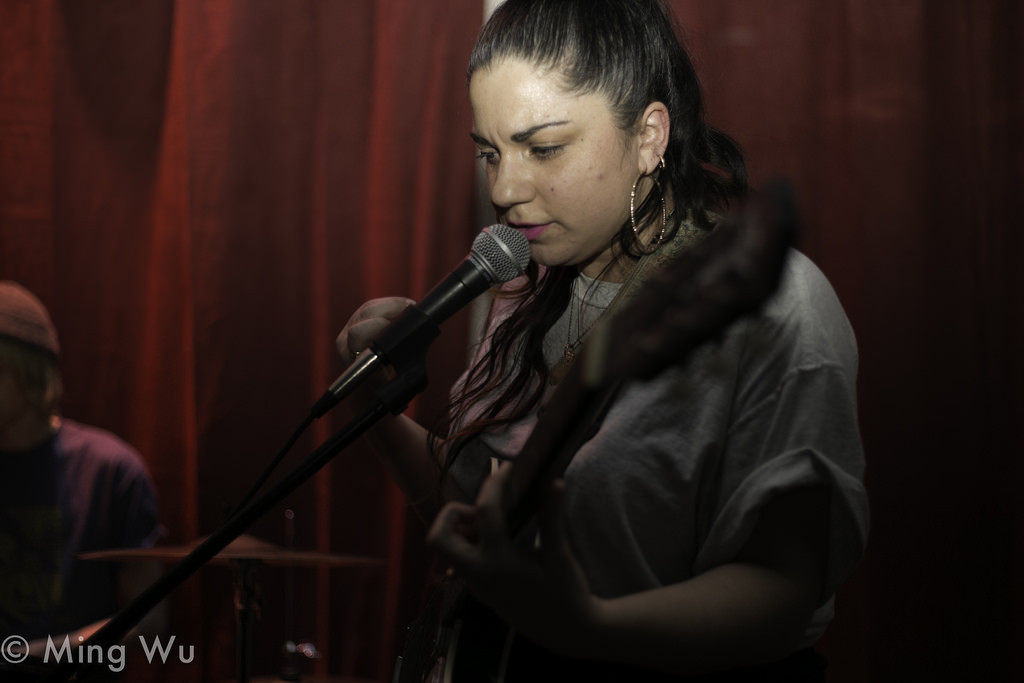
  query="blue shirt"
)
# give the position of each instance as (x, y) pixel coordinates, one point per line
(83, 489)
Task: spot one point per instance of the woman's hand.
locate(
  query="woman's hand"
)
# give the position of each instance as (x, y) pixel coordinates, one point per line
(362, 328)
(366, 323)
(541, 592)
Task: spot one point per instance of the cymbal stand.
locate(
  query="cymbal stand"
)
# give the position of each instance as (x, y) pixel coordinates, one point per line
(247, 609)
(289, 671)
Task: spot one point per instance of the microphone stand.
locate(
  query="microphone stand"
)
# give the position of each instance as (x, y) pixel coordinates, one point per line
(393, 398)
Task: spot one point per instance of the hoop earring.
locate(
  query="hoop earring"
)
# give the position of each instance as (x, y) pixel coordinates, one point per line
(664, 210)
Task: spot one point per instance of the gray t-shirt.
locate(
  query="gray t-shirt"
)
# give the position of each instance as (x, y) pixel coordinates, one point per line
(672, 483)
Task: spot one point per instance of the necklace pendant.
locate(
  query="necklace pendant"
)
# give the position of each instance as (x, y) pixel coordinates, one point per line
(559, 370)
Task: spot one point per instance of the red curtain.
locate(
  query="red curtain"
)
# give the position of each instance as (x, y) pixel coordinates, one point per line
(202, 192)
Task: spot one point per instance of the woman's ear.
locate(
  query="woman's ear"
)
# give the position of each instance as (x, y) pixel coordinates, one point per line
(654, 129)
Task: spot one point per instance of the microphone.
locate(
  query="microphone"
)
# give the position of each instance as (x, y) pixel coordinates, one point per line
(499, 254)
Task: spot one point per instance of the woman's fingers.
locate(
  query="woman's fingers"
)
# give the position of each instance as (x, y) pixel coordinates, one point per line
(367, 323)
(454, 533)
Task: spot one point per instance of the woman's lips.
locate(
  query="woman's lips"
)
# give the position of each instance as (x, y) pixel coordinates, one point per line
(530, 231)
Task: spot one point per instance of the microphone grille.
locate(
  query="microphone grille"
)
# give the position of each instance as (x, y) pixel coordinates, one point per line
(503, 251)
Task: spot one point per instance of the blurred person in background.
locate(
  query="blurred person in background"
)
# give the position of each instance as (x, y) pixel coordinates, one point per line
(65, 489)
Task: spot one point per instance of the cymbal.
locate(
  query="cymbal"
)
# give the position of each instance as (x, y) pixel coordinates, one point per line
(244, 547)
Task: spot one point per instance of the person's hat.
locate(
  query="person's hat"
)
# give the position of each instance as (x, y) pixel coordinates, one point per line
(24, 318)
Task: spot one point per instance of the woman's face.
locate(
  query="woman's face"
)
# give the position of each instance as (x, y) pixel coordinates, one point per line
(14, 404)
(558, 168)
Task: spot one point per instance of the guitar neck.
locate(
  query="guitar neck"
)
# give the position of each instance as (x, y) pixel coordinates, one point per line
(687, 299)
(569, 419)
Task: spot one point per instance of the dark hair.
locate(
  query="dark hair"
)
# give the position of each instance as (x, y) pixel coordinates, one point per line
(629, 51)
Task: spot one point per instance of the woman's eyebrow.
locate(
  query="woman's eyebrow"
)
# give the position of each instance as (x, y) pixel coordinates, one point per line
(525, 135)
(521, 136)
